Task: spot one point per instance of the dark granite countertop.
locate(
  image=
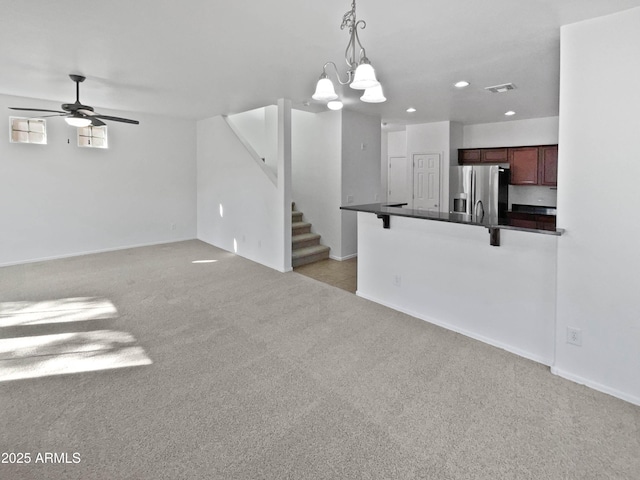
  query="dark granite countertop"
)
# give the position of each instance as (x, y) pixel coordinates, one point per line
(398, 210)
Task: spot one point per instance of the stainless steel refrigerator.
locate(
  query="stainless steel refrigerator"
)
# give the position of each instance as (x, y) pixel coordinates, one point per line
(480, 191)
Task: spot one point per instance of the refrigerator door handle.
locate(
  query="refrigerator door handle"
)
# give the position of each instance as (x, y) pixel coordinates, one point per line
(473, 191)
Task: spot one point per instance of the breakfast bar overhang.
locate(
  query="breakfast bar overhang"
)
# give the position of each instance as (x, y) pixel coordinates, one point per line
(491, 223)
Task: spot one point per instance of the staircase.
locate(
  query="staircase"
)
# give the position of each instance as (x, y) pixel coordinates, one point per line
(305, 246)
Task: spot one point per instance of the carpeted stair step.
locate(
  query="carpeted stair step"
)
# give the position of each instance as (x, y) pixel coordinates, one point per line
(296, 216)
(307, 255)
(305, 240)
(298, 228)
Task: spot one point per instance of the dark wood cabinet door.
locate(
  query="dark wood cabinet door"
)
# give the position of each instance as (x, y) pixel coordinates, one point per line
(524, 165)
(549, 165)
(495, 155)
(469, 156)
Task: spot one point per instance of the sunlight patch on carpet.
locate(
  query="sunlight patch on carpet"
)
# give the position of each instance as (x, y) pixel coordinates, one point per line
(65, 353)
(56, 311)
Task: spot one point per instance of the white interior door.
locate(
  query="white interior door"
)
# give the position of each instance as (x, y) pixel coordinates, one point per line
(397, 185)
(426, 181)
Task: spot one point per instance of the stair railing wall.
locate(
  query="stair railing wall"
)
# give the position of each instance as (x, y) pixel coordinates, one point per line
(257, 158)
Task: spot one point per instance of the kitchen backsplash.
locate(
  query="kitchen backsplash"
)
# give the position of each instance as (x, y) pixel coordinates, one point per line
(533, 195)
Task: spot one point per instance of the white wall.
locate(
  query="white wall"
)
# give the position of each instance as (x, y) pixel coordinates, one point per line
(429, 138)
(252, 221)
(259, 127)
(60, 200)
(598, 257)
(316, 172)
(396, 144)
(360, 172)
(515, 133)
(450, 275)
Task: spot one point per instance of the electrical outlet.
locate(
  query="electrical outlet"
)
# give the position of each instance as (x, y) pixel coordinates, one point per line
(173, 226)
(574, 336)
(349, 198)
(397, 280)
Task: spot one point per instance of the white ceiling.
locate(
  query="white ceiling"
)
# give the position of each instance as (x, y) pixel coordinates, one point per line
(200, 58)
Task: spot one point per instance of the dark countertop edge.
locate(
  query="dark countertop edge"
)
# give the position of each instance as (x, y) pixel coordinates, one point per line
(396, 210)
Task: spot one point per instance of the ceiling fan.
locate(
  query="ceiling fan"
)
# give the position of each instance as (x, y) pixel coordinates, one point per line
(76, 114)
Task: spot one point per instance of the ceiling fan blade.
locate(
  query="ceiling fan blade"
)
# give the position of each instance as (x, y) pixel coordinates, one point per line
(36, 110)
(97, 123)
(115, 119)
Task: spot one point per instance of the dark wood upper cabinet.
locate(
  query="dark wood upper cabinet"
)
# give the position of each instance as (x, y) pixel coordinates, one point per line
(483, 155)
(494, 155)
(524, 165)
(548, 163)
(534, 165)
(469, 156)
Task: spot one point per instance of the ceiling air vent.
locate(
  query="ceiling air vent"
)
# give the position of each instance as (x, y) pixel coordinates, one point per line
(501, 88)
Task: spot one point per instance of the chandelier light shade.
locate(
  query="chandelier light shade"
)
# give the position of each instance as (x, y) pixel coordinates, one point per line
(324, 90)
(373, 95)
(77, 121)
(335, 105)
(360, 72)
(365, 76)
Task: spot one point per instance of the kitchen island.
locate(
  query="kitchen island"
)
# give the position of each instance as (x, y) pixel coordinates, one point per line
(445, 271)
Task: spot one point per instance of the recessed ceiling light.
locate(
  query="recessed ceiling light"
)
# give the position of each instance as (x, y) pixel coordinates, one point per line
(461, 84)
(411, 110)
(509, 113)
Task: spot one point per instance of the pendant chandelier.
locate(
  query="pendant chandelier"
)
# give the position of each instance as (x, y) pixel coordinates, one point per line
(360, 73)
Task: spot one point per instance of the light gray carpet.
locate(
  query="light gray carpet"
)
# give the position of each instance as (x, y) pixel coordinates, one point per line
(258, 374)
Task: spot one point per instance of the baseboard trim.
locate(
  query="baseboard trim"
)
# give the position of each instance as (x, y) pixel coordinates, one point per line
(462, 331)
(91, 252)
(596, 386)
(277, 268)
(341, 259)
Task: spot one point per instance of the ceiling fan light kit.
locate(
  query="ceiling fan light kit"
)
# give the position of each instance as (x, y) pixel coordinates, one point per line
(76, 114)
(360, 74)
(76, 120)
